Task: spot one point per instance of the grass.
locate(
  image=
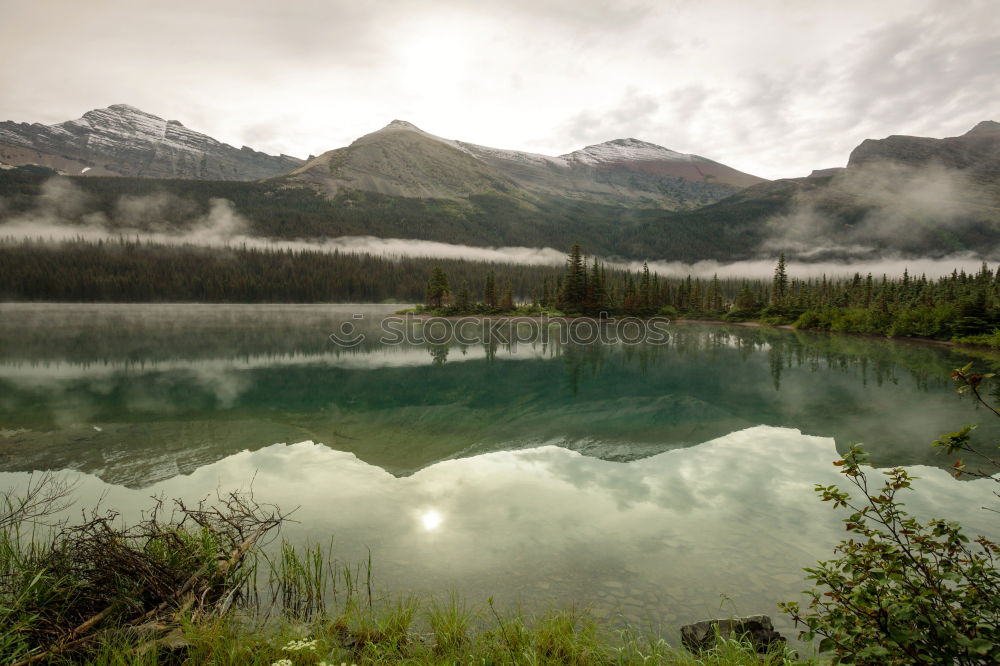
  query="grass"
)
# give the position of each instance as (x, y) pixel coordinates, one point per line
(411, 632)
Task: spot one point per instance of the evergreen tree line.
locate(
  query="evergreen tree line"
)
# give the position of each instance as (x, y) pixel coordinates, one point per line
(130, 271)
(956, 306)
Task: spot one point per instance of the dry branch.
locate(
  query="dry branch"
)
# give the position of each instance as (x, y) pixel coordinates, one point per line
(149, 575)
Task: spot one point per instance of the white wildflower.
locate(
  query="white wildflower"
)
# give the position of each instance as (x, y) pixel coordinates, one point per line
(282, 662)
(299, 645)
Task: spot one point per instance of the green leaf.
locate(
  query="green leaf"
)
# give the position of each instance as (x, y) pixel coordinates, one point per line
(980, 646)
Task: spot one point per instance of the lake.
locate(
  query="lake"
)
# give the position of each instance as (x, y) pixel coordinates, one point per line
(659, 481)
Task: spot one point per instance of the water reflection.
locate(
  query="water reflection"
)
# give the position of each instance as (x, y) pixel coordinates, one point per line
(137, 394)
(657, 539)
(431, 519)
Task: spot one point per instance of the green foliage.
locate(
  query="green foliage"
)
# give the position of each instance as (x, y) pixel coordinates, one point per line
(983, 339)
(903, 591)
(437, 288)
(390, 634)
(779, 285)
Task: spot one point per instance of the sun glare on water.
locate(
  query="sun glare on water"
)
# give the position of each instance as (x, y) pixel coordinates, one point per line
(431, 520)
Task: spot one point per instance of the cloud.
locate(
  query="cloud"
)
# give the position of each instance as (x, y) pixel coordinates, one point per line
(151, 211)
(62, 213)
(890, 265)
(627, 119)
(878, 204)
(770, 87)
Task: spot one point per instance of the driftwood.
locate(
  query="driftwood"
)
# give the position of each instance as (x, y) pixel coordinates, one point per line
(97, 556)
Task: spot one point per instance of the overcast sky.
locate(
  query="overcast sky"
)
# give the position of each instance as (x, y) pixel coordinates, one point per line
(772, 87)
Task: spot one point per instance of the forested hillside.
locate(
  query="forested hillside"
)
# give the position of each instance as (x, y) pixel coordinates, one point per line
(128, 271)
(275, 211)
(959, 306)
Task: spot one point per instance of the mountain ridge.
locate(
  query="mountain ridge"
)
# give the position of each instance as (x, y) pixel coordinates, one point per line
(122, 140)
(400, 159)
(901, 195)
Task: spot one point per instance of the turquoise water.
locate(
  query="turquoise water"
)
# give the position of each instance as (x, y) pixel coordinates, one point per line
(643, 479)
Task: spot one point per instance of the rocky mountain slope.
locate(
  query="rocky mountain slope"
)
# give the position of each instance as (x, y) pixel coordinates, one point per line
(403, 160)
(976, 149)
(124, 141)
(975, 154)
(902, 194)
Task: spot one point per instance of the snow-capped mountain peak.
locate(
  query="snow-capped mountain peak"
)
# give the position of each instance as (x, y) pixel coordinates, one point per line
(124, 123)
(626, 150)
(126, 141)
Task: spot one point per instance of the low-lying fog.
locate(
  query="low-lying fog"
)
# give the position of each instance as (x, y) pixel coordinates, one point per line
(60, 214)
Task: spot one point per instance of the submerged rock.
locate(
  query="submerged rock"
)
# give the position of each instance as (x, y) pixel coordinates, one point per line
(757, 628)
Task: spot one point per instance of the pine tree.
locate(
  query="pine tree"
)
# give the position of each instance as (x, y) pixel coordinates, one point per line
(463, 300)
(645, 288)
(507, 300)
(574, 288)
(437, 288)
(779, 288)
(490, 290)
(598, 295)
(746, 300)
(713, 300)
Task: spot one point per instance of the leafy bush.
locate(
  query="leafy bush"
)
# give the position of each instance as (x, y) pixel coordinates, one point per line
(923, 322)
(902, 591)
(985, 339)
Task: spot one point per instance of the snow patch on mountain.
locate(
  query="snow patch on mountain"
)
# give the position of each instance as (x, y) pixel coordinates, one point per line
(610, 152)
(121, 123)
(124, 140)
(626, 150)
(513, 155)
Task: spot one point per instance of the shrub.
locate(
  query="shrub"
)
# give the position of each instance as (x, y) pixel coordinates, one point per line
(902, 591)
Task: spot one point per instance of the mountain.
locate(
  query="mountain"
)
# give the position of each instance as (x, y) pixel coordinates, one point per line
(976, 154)
(403, 160)
(400, 160)
(124, 141)
(916, 196)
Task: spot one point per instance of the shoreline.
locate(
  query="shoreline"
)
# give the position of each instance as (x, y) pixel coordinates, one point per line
(714, 322)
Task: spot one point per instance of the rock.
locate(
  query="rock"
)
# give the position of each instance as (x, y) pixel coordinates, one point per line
(977, 151)
(826, 173)
(758, 628)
